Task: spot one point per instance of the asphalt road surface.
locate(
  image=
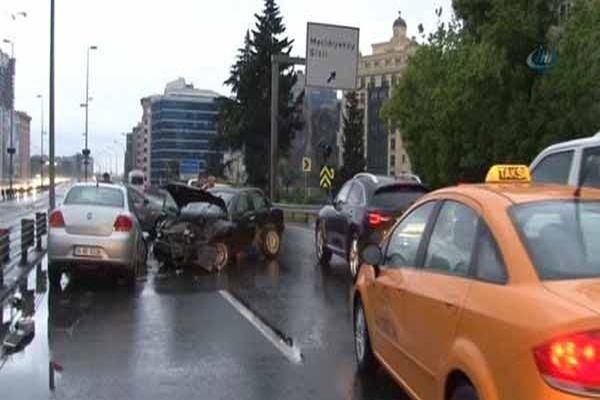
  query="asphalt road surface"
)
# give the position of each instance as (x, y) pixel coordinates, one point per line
(260, 330)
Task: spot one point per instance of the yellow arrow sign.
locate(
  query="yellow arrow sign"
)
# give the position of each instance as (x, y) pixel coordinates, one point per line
(306, 164)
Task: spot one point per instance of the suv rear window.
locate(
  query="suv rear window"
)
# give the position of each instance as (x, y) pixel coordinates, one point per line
(95, 195)
(398, 196)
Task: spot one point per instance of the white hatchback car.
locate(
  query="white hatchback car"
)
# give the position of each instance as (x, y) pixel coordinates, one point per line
(576, 163)
(96, 228)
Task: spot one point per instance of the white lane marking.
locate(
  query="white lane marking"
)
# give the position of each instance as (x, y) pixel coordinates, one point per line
(292, 352)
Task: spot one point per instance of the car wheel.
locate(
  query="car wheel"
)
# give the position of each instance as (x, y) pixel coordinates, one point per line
(54, 275)
(270, 243)
(321, 250)
(353, 256)
(221, 256)
(365, 358)
(465, 391)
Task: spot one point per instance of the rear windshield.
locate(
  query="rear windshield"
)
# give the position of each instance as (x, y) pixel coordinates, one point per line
(397, 197)
(97, 196)
(562, 237)
(137, 180)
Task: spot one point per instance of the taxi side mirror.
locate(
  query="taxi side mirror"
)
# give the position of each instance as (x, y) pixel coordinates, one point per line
(372, 255)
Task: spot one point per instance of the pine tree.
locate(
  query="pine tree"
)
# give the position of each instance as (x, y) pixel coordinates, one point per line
(353, 140)
(245, 120)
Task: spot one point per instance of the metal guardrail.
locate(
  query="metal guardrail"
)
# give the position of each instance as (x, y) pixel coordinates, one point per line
(15, 243)
(304, 211)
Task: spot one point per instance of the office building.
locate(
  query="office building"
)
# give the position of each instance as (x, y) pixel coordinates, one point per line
(377, 75)
(7, 68)
(320, 110)
(182, 123)
(22, 144)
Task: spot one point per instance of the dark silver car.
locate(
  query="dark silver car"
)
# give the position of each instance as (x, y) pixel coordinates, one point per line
(96, 228)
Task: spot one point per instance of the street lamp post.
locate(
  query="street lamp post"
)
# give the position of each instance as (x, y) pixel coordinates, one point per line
(86, 105)
(51, 169)
(11, 149)
(41, 97)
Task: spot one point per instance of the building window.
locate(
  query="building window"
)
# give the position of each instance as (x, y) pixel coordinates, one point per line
(376, 63)
(392, 160)
(145, 140)
(372, 83)
(393, 144)
(403, 159)
(368, 64)
(145, 159)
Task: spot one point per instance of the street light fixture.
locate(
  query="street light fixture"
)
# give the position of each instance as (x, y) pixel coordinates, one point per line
(11, 149)
(86, 105)
(41, 97)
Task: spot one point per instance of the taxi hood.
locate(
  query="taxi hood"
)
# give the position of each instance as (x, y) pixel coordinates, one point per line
(184, 195)
(585, 292)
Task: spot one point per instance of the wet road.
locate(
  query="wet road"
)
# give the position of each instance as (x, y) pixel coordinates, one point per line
(197, 335)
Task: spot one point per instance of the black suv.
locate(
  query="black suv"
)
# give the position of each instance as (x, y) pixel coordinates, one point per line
(364, 208)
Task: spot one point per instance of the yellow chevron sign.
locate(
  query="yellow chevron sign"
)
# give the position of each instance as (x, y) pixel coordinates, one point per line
(326, 176)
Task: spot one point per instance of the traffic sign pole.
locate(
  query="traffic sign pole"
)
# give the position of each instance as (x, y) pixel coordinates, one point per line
(276, 60)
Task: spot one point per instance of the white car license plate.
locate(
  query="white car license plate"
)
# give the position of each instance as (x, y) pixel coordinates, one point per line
(84, 251)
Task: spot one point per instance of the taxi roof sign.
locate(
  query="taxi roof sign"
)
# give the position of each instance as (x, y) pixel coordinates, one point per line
(508, 174)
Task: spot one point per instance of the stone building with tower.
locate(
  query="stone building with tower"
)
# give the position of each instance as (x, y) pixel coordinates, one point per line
(378, 73)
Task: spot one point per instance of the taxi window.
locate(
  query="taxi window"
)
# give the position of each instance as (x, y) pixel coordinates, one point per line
(259, 201)
(554, 168)
(404, 242)
(489, 265)
(453, 239)
(561, 237)
(243, 204)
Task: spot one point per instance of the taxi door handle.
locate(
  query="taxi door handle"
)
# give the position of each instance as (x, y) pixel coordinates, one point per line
(450, 304)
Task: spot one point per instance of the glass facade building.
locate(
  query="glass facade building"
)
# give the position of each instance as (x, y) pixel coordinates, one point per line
(377, 134)
(182, 125)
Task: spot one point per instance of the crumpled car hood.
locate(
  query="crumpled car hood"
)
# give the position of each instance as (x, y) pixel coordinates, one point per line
(184, 195)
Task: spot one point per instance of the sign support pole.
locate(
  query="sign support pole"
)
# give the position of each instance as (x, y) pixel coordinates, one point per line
(276, 60)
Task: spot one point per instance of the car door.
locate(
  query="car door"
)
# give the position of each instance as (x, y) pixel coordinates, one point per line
(142, 209)
(245, 219)
(334, 222)
(396, 275)
(433, 303)
(351, 212)
(261, 210)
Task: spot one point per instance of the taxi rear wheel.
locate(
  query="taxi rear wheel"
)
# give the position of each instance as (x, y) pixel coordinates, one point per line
(465, 391)
(365, 358)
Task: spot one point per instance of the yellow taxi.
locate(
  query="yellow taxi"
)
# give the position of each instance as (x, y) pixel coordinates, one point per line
(488, 291)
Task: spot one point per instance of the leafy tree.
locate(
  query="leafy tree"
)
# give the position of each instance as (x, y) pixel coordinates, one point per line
(468, 100)
(352, 140)
(244, 121)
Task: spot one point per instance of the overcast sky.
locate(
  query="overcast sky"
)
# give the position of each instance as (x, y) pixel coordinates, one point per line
(142, 44)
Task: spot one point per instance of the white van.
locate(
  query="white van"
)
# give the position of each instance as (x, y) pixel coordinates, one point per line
(137, 179)
(563, 163)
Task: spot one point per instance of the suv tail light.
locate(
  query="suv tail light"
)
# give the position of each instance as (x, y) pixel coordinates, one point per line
(376, 219)
(571, 363)
(123, 224)
(56, 220)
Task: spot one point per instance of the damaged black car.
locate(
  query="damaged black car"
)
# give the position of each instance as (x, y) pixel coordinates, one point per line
(211, 226)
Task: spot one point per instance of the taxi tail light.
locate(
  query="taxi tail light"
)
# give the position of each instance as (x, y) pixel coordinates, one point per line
(123, 224)
(56, 220)
(571, 362)
(376, 219)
